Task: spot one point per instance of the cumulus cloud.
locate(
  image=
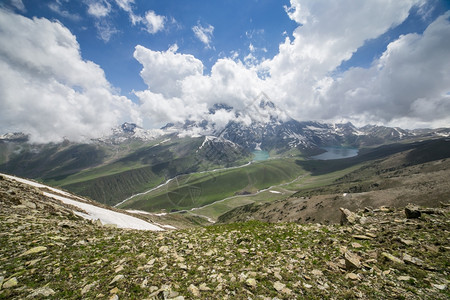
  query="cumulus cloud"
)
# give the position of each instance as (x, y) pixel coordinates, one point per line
(178, 89)
(164, 71)
(154, 22)
(99, 9)
(410, 81)
(330, 32)
(47, 89)
(303, 78)
(204, 34)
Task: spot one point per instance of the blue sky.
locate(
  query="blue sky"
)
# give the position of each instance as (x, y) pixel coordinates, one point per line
(237, 24)
(152, 62)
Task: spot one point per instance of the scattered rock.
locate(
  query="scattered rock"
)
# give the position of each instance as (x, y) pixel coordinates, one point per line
(352, 276)
(251, 282)
(204, 287)
(317, 272)
(392, 258)
(42, 292)
(194, 290)
(404, 278)
(412, 260)
(88, 287)
(361, 237)
(412, 211)
(34, 250)
(114, 297)
(114, 290)
(406, 242)
(348, 217)
(440, 287)
(279, 286)
(356, 245)
(307, 285)
(117, 278)
(352, 261)
(10, 283)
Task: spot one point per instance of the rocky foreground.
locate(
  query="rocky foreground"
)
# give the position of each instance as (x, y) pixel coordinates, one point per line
(383, 253)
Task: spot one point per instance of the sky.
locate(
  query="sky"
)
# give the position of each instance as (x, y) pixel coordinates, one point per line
(75, 69)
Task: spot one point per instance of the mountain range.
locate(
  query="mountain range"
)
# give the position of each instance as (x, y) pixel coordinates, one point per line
(133, 160)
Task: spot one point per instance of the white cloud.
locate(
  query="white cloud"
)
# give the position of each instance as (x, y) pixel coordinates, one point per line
(105, 29)
(204, 34)
(331, 32)
(125, 4)
(178, 89)
(47, 89)
(164, 71)
(57, 8)
(154, 22)
(409, 83)
(19, 5)
(302, 78)
(99, 9)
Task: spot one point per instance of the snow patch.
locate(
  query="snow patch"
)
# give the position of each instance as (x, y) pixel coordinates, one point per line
(106, 216)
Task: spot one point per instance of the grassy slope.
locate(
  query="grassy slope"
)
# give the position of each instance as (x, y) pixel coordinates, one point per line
(234, 261)
(200, 189)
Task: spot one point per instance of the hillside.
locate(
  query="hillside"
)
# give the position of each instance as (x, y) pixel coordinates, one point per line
(395, 176)
(47, 251)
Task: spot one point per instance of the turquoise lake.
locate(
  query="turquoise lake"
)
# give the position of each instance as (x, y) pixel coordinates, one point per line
(336, 153)
(260, 155)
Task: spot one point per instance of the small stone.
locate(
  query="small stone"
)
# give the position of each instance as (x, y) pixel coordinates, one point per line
(361, 237)
(204, 287)
(42, 292)
(440, 287)
(251, 282)
(412, 211)
(412, 260)
(34, 250)
(182, 266)
(118, 269)
(114, 297)
(114, 291)
(117, 278)
(317, 272)
(404, 278)
(88, 287)
(348, 217)
(279, 286)
(307, 285)
(363, 220)
(356, 245)
(392, 258)
(352, 261)
(10, 283)
(406, 242)
(194, 290)
(352, 276)
(98, 223)
(163, 249)
(28, 204)
(385, 209)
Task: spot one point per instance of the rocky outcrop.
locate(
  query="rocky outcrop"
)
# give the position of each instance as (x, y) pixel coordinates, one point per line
(48, 252)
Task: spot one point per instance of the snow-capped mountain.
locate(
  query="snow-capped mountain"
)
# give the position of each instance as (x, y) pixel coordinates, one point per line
(263, 126)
